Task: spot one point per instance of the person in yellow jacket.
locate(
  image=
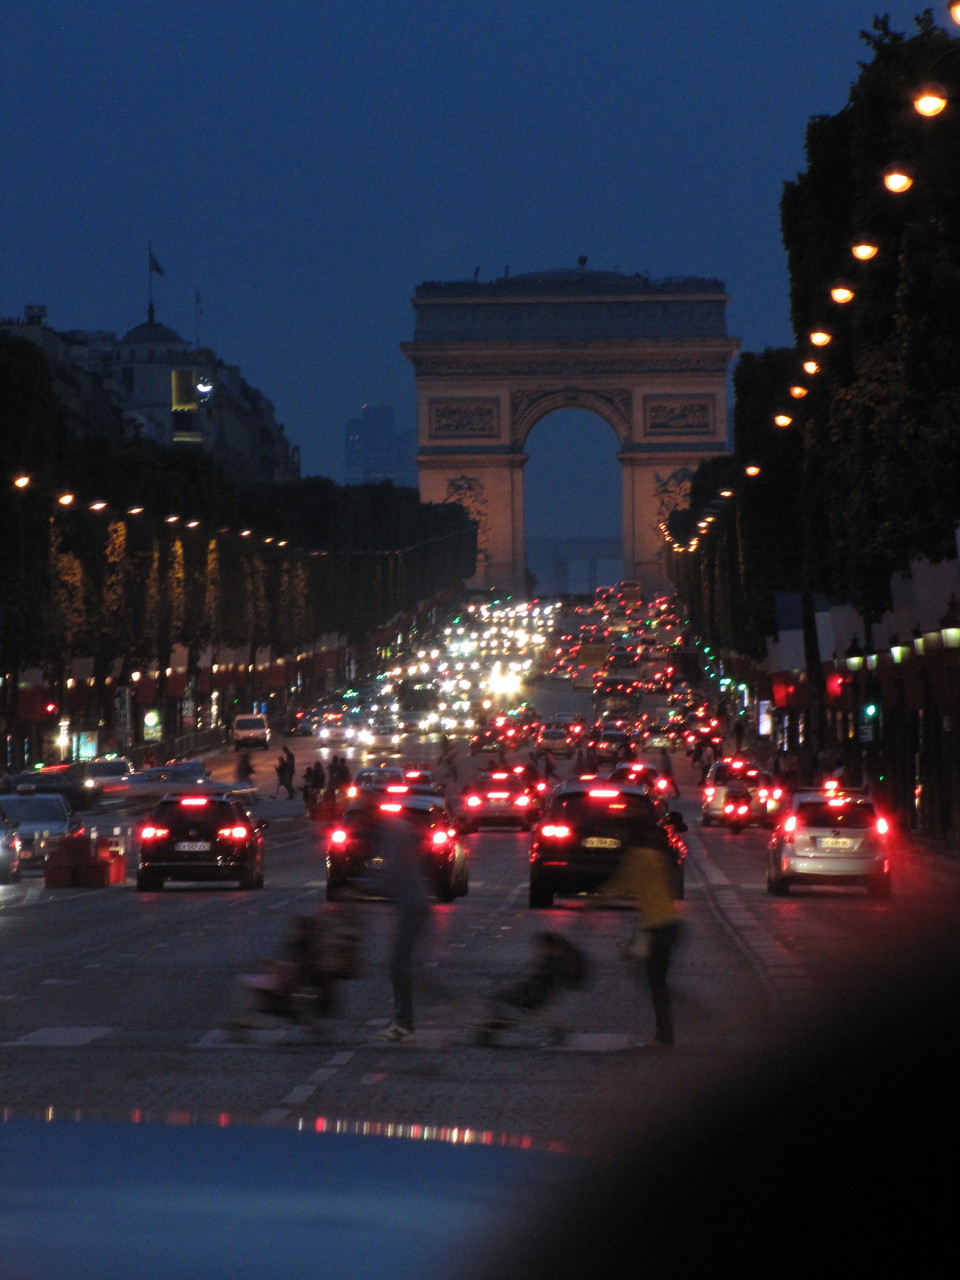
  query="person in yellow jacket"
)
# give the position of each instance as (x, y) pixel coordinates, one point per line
(643, 878)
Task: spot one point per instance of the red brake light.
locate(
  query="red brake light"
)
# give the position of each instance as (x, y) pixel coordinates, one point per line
(882, 826)
(522, 801)
(194, 802)
(440, 837)
(390, 807)
(555, 831)
(473, 801)
(338, 836)
(790, 824)
(233, 833)
(603, 793)
(154, 833)
(398, 789)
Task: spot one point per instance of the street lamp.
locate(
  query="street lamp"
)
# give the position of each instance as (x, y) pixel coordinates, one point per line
(820, 337)
(898, 178)
(864, 249)
(929, 100)
(842, 292)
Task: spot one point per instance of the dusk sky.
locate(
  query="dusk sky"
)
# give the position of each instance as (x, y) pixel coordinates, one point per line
(304, 165)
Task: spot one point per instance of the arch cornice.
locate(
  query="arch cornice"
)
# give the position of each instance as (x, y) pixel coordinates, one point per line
(527, 408)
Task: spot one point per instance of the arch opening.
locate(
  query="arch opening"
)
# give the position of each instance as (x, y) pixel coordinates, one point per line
(573, 503)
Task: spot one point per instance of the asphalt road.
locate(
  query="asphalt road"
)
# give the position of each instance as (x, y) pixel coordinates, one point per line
(113, 1003)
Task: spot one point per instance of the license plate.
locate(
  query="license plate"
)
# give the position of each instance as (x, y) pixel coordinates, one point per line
(600, 842)
(193, 846)
(835, 842)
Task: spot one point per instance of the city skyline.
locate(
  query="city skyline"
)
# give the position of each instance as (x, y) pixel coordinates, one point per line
(302, 176)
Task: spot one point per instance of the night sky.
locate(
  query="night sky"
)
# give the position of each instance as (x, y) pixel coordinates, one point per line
(304, 165)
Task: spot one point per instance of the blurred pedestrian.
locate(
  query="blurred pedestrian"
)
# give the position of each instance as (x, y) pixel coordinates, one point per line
(643, 878)
(244, 771)
(401, 879)
(666, 771)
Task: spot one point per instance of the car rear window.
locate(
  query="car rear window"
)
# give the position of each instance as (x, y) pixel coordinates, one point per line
(857, 813)
(211, 811)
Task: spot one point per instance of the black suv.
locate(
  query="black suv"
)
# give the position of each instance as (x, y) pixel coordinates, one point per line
(580, 839)
(201, 837)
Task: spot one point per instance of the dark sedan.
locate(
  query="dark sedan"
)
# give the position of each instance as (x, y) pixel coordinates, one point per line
(351, 856)
(201, 837)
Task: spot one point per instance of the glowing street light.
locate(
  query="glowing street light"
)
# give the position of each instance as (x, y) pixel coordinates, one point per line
(820, 337)
(929, 100)
(21, 482)
(898, 178)
(842, 292)
(782, 420)
(863, 250)
(798, 391)
(66, 499)
(811, 366)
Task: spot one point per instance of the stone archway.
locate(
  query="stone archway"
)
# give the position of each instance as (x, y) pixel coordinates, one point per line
(491, 360)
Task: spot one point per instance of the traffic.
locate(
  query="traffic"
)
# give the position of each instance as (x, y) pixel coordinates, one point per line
(213, 942)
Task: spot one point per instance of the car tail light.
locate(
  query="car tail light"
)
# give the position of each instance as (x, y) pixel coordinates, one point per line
(352, 792)
(338, 836)
(440, 838)
(521, 802)
(473, 801)
(194, 802)
(603, 793)
(541, 787)
(709, 793)
(154, 833)
(498, 795)
(391, 807)
(882, 826)
(397, 789)
(777, 793)
(662, 784)
(789, 828)
(233, 833)
(556, 831)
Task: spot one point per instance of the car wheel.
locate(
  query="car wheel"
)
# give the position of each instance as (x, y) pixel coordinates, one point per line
(147, 883)
(540, 895)
(777, 886)
(444, 890)
(251, 879)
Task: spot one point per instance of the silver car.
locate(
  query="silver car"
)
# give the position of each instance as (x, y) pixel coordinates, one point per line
(830, 837)
(41, 821)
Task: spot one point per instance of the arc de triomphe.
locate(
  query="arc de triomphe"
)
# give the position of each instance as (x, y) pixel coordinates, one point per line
(491, 359)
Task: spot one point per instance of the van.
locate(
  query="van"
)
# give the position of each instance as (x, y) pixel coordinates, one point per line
(250, 731)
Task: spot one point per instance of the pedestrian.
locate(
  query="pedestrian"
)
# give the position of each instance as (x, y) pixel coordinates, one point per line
(308, 788)
(666, 771)
(707, 757)
(643, 878)
(245, 770)
(284, 773)
(401, 879)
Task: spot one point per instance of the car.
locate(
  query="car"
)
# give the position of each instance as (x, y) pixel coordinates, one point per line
(200, 836)
(735, 777)
(502, 797)
(382, 732)
(250, 731)
(831, 837)
(378, 779)
(579, 840)
(350, 857)
(83, 784)
(41, 820)
(9, 855)
(161, 780)
(557, 738)
(607, 745)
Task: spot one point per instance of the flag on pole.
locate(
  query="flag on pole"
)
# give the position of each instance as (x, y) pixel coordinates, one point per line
(155, 266)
